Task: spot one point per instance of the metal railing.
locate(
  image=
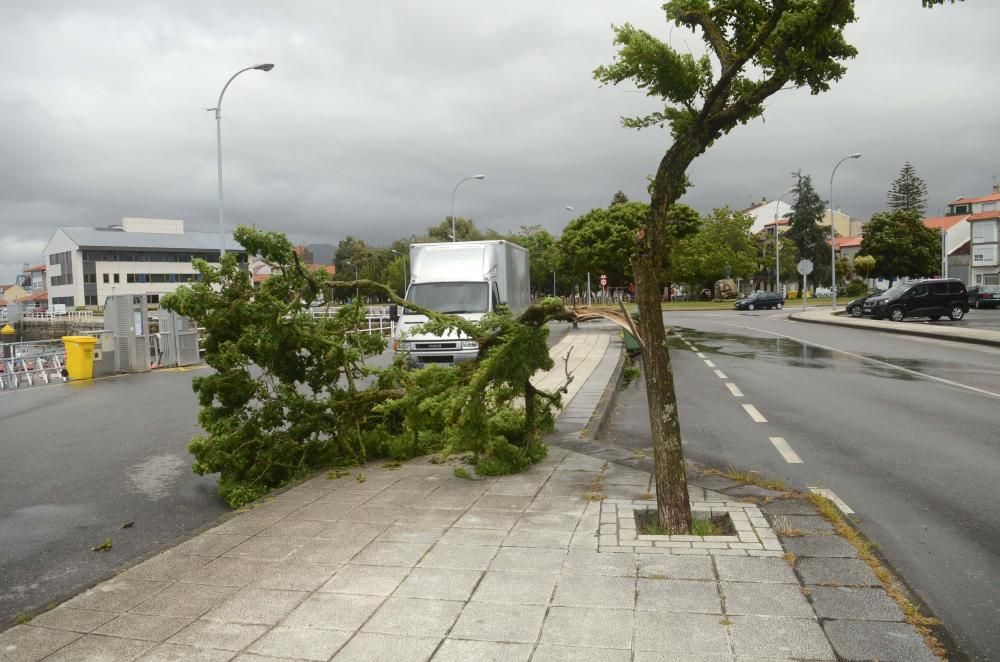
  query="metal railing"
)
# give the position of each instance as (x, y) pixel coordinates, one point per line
(69, 316)
(28, 370)
(376, 319)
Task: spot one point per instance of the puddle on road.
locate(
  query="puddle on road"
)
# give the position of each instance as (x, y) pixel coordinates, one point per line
(157, 475)
(785, 351)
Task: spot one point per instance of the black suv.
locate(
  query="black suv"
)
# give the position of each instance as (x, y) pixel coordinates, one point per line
(932, 297)
(761, 300)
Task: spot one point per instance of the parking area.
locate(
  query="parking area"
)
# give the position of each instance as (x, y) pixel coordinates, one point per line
(977, 318)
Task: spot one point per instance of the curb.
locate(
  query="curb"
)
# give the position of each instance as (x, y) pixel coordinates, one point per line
(598, 422)
(903, 331)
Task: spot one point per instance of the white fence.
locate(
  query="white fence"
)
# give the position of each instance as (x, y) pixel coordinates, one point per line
(376, 320)
(68, 316)
(31, 363)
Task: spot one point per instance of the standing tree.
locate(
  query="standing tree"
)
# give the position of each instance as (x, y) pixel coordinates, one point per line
(759, 47)
(901, 245)
(618, 198)
(723, 240)
(543, 255)
(809, 237)
(865, 265)
(908, 192)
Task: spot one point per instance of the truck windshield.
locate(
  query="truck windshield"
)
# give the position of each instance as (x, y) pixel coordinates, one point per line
(451, 297)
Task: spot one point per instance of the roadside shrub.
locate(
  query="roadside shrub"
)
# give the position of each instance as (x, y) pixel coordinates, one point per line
(856, 288)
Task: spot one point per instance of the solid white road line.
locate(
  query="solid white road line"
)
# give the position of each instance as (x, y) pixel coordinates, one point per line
(700, 355)
(791, 457)
(754, 414)
(709, 363)
(734, 389)
(844, 508)
(720, 374)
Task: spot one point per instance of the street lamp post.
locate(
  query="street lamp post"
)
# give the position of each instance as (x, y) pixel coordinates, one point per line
(218, 136)
(777, 241)
(833, 235)
(454, 236)
(357, 290)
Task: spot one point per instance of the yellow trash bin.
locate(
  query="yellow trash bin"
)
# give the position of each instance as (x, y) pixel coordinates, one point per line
(79, 356)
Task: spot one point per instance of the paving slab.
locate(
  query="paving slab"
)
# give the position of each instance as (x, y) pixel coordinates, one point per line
(662, 632)
(821, 546)
(458, 650)
(866, 604)
(368, 646)
(779, 638)
(483, 621)
(836, 572)
(300, 643)
(588, 627)
(865, 640)
(750, 569)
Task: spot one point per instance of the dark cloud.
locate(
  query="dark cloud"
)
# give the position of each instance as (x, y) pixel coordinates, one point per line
(375, 110)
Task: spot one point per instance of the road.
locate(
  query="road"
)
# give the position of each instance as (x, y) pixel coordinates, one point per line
(82, 460)
(903, 430)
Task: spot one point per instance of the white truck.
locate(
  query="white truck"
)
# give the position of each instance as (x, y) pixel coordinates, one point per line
(469, 279)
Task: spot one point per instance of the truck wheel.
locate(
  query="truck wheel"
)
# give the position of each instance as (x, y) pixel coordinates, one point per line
(896, 314)
(957, 312)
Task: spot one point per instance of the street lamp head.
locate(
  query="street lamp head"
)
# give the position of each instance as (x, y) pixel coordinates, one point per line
(568, 208)
(480, 177)
(856, 155)
(265, 67)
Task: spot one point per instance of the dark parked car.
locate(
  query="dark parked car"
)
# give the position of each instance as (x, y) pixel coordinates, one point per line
(856, 308)
(932, 297)
(761, 300)
(984, 296)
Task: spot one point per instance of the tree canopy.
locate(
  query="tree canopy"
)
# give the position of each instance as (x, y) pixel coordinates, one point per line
(901, 245)
(810, 238)
(724, 240)
(908, 192)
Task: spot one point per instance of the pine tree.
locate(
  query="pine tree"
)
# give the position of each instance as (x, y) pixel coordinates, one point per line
(804, 229)
(908, 192)
(618, 199)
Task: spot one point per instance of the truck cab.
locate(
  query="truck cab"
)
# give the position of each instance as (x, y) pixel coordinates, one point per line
(468, 279)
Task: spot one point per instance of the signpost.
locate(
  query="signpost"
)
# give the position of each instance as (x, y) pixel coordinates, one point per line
(604, 288)
(805, 268)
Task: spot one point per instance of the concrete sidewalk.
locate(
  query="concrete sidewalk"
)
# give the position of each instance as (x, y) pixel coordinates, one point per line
(911, 328)
(414, 563)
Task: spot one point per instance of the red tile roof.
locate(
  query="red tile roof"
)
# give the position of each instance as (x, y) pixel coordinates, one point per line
(847, 241)
(944, 222)
(328, 268)
(37, 296)
(986, 198)
(983, 216)
(37, 267)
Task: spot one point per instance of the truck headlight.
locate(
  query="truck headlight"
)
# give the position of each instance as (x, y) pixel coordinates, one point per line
(470, 344)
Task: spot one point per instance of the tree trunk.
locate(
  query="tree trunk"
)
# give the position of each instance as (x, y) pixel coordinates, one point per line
(673, 505)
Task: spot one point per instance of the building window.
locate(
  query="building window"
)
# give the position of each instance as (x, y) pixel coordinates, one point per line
(90, 278)
(991, 279)
(129, 278)
(90, 300)
(116, 278)
(66, 301)
(106, 278)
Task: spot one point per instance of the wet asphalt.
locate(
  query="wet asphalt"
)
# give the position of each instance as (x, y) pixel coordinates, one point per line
(80, 461)
(905, 430)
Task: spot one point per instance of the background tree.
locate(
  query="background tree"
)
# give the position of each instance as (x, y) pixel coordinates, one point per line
(908, 192)
(788, 258)
(601, 241)
(723, 240)
(618, 198)
(465, 230)
(901, 245)
(864, 265)
(759, 47)
(543, 255)
(810, 238)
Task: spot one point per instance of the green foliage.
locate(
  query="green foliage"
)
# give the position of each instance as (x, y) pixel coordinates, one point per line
(856, 288)
(864, 264)
(901, 245)
(804, 230)
(723, 239)
(908, 192)
(461, 472)
(291, 393)
(543, 256)
(601, 241)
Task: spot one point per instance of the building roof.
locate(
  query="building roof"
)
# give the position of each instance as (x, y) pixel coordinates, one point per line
(37, 267)
(110, 238)
(983, 216)
(847, 242)
(944, 222)
(328, 268)
(37, 296)
(986, 198)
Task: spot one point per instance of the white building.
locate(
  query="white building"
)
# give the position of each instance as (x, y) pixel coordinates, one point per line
(140, 256)
(984, 232)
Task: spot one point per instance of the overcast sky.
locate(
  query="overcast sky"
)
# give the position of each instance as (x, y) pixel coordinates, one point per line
(375, 110)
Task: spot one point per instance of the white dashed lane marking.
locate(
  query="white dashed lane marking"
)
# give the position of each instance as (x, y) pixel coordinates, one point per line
(709, 363)
(844, 508)
(720, 374)
(791, 457)
(693, 348)
(699, 355)
(734, 389)
(754, 414)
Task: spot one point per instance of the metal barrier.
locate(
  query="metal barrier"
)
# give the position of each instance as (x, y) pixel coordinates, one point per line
(45, 368)
(69, 316)
(377, 318)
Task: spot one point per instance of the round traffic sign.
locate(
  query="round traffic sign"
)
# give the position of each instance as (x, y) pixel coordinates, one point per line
(805, 267)
(604, 280)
